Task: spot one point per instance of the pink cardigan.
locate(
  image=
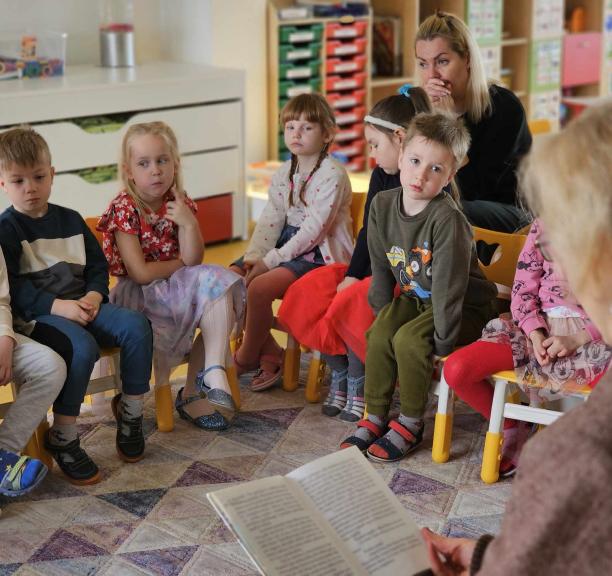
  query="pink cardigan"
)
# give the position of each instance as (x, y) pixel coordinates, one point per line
(539, 286)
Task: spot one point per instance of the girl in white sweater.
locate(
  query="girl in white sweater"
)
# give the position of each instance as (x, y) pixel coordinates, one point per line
(305, 224)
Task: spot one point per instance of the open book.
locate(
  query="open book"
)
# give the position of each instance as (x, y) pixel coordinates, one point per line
(332, 517)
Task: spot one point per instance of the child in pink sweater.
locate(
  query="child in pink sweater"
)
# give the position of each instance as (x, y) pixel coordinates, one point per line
(550, 343)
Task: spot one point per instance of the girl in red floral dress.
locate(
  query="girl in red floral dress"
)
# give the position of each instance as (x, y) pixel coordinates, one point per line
(154, 246)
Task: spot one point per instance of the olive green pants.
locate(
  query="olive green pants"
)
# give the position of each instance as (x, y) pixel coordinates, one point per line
(400, 347)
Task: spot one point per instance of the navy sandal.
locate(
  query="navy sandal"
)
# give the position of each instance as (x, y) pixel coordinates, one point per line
(393, 453)
(361, 444)
(213, 422)
(215, 395)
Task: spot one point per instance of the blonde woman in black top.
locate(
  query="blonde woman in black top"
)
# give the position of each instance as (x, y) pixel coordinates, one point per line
(452, 74)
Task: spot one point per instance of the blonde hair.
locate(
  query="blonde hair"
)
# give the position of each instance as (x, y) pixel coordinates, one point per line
(314, 108)
(23, 146)
(567, 182)
(161, 130)
(461, 41)
(446, 130)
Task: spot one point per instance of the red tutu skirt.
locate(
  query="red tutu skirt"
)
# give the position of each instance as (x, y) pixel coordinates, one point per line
(326, 320)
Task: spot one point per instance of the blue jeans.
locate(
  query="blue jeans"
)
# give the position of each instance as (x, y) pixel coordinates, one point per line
(113, 327)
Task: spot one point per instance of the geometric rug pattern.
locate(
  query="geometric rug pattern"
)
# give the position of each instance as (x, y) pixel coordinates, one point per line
(153, 518)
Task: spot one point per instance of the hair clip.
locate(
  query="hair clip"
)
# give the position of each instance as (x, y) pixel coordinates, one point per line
(405, 90)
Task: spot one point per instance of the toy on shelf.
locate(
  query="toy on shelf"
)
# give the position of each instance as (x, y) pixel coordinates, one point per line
(32, 55)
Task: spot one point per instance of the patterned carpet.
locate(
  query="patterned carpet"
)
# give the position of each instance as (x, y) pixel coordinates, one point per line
(152, 518)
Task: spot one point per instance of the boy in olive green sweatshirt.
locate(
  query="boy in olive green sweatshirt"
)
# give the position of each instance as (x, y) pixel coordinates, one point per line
(420, 240)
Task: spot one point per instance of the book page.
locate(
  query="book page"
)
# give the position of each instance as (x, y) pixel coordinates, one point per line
(281, 530)
(367, 516)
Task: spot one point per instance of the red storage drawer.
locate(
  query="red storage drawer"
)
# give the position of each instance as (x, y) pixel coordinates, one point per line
(341, 100)
(345, 83)
(349, 149)
(345, 66)
(356, 164)
(339, 48)
(338, 30)
(214, 216)
(350, 133)
(581, 59)
(350, 116)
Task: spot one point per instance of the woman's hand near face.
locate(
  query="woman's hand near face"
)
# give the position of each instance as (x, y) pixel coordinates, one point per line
(436, 89)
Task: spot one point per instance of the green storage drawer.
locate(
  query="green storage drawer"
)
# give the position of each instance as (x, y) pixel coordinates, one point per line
(300, 34)
(291, 88)
(290, 53)
(299, 71)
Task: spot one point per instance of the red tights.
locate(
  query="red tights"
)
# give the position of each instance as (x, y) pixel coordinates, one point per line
(466, 371)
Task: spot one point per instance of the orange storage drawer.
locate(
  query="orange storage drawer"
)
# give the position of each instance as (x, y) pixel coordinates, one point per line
(350, 116)
(338, 48)
(356, 164)
(340, 100)
(345, 66)
(338, 30)
(345, 83)
(214, 216)
(581, 59)
(349, 133)
(349, 149)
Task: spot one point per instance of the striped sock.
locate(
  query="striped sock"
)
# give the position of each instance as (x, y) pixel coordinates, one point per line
(365, 434)
(415, 425)
(355, 402)
(336, 398)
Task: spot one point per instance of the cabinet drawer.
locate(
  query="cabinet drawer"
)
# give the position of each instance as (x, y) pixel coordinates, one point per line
(215, 217)
(581, 59)
(198, 128)
(207, 174)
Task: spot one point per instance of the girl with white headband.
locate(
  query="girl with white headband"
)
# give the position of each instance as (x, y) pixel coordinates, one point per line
(338, 314)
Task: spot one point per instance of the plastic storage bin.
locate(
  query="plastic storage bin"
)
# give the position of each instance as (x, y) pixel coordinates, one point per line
(334, 83)
(336, 30)
(345, 66)
(349, 133)
(290, 88)
(339, 48)
(299, 71)
(32, 55)
(341, 100)
(348, 150)
(350, 116)
(290, 53)
(300, 34)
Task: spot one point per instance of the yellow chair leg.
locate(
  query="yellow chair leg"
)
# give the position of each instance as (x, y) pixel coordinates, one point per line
(232, 380)
(291, 369)
(491, 457)
(316, 373)
(164, 409)
(31, 448)
(41, 433)
(443, 431)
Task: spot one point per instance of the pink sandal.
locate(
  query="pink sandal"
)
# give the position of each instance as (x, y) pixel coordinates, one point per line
(270, 372)
(242, 368)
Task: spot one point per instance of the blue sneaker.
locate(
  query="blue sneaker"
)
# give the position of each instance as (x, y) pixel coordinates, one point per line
(19, 474)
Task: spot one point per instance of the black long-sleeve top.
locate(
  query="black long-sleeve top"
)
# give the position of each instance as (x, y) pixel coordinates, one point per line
(499, 141)
(359, 266)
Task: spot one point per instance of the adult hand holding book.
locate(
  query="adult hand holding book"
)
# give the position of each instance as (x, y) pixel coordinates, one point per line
(332, 517)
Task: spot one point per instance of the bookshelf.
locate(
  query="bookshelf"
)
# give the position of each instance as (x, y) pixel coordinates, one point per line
(524, 44)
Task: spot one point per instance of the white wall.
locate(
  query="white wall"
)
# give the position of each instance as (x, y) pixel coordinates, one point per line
(228, 33)
(80, 19)
(231, 34)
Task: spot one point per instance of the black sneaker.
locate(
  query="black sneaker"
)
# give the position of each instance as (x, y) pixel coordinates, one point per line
(74, 462)
(130, 439)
